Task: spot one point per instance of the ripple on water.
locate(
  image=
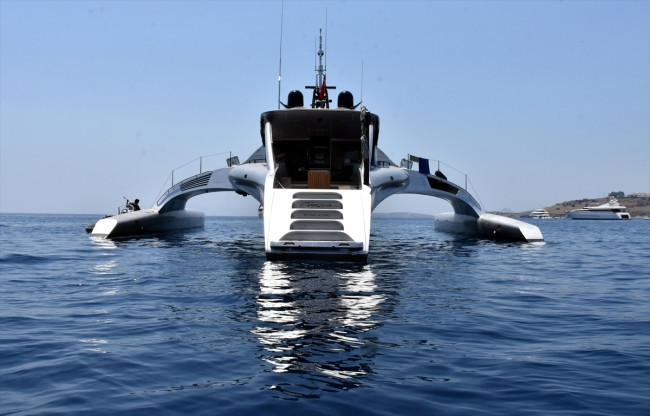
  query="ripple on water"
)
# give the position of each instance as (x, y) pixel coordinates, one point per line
(434, 323)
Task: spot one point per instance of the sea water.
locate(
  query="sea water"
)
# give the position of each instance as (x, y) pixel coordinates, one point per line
(199, 323)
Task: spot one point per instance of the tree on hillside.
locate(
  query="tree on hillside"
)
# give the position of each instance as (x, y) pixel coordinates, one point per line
(619, 194)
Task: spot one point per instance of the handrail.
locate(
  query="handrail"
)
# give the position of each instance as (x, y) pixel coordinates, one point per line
(466, 181)
(200, 159)
(177, 186)
(465, 175)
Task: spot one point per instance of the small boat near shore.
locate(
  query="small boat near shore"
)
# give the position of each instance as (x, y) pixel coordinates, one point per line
(611, 210)
(539, 214)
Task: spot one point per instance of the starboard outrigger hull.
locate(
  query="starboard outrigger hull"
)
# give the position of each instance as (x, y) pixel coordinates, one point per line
(488, 226)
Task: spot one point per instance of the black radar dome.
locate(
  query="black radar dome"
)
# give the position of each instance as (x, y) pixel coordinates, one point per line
(295, 99)
(346, 100)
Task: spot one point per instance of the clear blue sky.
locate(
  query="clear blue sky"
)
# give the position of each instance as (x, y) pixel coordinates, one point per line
(537, 101)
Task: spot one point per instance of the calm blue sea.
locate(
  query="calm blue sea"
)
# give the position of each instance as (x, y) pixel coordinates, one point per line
(200, 323)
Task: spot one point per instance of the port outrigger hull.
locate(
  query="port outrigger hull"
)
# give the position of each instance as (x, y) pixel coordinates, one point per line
(147, 222)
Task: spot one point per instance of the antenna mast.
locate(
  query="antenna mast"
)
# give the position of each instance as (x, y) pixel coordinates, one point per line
(325, 39)
(280, 69)
(362, 80)
(320, 71)
(320, 97)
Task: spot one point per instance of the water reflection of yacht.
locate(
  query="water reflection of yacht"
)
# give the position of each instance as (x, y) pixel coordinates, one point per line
(299, 315)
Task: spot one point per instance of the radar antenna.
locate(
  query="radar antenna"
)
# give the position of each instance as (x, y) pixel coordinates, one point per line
(280, 66)
(320, 98)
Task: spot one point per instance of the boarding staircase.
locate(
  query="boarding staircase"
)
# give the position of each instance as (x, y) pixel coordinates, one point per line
(317, 222)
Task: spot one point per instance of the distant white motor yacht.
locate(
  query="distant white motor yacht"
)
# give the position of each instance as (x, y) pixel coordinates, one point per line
(611, 210)
(539, 213)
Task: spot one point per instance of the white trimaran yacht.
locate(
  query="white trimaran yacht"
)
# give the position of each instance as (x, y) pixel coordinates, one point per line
(318, 175)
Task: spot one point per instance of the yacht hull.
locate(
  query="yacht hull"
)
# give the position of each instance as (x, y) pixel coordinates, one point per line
(450, 222)
(503, 228)
(608, 211)
(591, 215)
(322, 253)
(147, 222)
(491, 226)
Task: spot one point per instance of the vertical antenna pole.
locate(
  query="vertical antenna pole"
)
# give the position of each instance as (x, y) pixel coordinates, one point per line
(316, 61)
(280, 69)
(326, 39)
(319, 68)
(362, 80)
